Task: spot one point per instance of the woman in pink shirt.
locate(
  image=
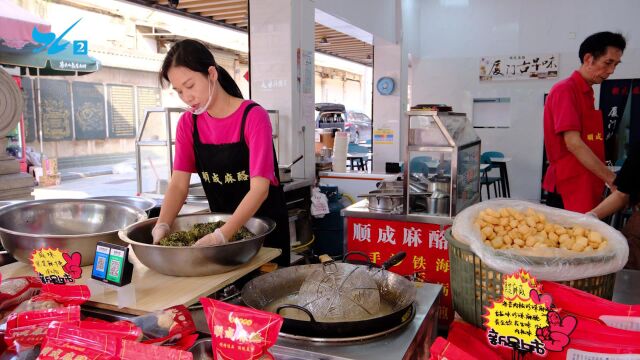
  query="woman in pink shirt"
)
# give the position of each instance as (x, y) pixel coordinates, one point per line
(227, 141)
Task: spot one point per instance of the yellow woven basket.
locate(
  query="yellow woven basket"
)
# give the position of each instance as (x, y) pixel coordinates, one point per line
(474, 285)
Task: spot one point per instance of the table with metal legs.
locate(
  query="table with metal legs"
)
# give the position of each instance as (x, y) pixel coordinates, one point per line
(501, 163)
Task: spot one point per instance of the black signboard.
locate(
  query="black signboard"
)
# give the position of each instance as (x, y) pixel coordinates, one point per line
(29, 109)
(121, 111)
(147, 98)
(56, 110)
(88, 109)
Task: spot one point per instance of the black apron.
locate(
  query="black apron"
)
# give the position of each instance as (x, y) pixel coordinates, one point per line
(224, 174)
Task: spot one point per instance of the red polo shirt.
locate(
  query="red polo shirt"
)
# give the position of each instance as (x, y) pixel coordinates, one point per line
(563, 111)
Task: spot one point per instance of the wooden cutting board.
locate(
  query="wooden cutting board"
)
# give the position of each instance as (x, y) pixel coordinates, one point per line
(155, 291)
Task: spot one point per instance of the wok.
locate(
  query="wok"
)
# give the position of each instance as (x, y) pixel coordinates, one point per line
(285, 170)
(277, 292)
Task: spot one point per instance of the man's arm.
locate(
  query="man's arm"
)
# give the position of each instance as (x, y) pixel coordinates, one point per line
(587, 158)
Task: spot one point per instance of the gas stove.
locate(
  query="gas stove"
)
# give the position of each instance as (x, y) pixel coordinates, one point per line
(408, 341)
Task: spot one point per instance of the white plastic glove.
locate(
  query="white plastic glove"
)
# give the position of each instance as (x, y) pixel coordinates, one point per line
(215, 238)
(160, 231)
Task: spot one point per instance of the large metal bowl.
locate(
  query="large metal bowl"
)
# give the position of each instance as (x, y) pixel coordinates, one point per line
(71, 225)
(139, 202)
(4, 203)
(195, 261)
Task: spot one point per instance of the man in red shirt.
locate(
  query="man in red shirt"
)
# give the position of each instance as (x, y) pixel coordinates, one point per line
(573, 129)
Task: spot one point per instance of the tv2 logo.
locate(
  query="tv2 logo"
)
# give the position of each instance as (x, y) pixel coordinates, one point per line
(54, 44)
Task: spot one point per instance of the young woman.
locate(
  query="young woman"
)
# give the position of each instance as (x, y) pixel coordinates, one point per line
(227, 141)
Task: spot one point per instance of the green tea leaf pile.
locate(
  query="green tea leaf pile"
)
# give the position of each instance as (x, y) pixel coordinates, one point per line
(189, 237)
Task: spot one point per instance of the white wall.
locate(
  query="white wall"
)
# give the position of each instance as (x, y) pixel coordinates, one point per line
(454, 38)
(279, 28)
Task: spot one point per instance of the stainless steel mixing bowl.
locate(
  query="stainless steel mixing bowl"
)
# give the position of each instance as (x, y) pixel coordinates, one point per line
(195, 261)
(4, 203)
(67, 224)
(139, 202)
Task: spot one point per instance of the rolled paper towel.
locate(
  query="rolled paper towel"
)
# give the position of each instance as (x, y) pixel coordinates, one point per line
(340, 146)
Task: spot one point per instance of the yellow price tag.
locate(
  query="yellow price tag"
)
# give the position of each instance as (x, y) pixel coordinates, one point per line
(517, 315)
(48, 262)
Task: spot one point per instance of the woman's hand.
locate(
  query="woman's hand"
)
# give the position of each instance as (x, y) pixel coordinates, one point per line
(215, 238)
(160, 231)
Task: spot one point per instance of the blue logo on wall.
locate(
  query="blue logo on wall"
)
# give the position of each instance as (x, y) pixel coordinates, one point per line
(54, 44)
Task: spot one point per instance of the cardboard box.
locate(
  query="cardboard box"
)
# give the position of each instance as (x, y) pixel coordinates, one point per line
(49, 180)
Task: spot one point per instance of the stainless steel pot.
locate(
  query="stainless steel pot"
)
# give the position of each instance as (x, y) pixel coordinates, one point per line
(438, 203)
(195, 261)
(71, 225)
(439, 183)
(383, 201)
(285, 170)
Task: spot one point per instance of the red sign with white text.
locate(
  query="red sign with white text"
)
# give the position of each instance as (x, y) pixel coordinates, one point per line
(427, 251)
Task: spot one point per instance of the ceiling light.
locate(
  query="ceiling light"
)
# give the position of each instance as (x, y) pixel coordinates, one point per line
(324, 40)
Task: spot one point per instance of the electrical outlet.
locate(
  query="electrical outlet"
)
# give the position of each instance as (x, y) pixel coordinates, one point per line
(572, 35)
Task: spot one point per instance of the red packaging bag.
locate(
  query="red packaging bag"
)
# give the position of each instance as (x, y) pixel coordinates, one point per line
(239, 332)
(132, 350)
(28, 329)
(583, 304)
(57, 349)
(13, 291)
(474, 341)
(55, 296)
(122, 330)
(65, 294)
(67, 340)
(441, 349)
(166, 327)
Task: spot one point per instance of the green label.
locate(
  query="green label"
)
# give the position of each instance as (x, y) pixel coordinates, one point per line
(116, 263)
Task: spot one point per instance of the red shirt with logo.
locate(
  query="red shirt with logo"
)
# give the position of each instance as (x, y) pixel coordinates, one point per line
(563, 111)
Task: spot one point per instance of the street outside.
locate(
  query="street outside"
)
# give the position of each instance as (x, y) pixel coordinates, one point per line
(111, 184)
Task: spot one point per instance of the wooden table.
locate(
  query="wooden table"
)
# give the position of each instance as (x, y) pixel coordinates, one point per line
(155, 291)
(501, 163)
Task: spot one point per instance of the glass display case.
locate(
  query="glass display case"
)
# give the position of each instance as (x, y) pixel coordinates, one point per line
(155, 148)
(442, 172)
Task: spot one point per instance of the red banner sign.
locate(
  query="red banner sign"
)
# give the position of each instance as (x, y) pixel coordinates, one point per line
(427, 251)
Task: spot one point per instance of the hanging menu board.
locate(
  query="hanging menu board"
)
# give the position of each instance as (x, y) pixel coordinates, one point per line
(56, 110)
(88, 110)
(147, 98)
(28, 113)
(121, 111)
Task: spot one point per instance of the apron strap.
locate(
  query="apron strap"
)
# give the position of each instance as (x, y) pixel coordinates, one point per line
(244, 119)
(196, 141)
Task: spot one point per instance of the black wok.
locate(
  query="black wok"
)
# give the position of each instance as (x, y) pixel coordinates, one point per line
(277, 292)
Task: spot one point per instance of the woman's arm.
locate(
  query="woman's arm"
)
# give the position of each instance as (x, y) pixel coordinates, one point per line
(174, 197)
(613, 203)
(258, 192)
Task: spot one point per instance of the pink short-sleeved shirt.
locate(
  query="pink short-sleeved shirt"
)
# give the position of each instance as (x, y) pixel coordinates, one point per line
(257, 135)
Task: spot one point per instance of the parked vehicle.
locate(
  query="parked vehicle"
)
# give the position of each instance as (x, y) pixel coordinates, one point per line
(330, 116)
(359, 127)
